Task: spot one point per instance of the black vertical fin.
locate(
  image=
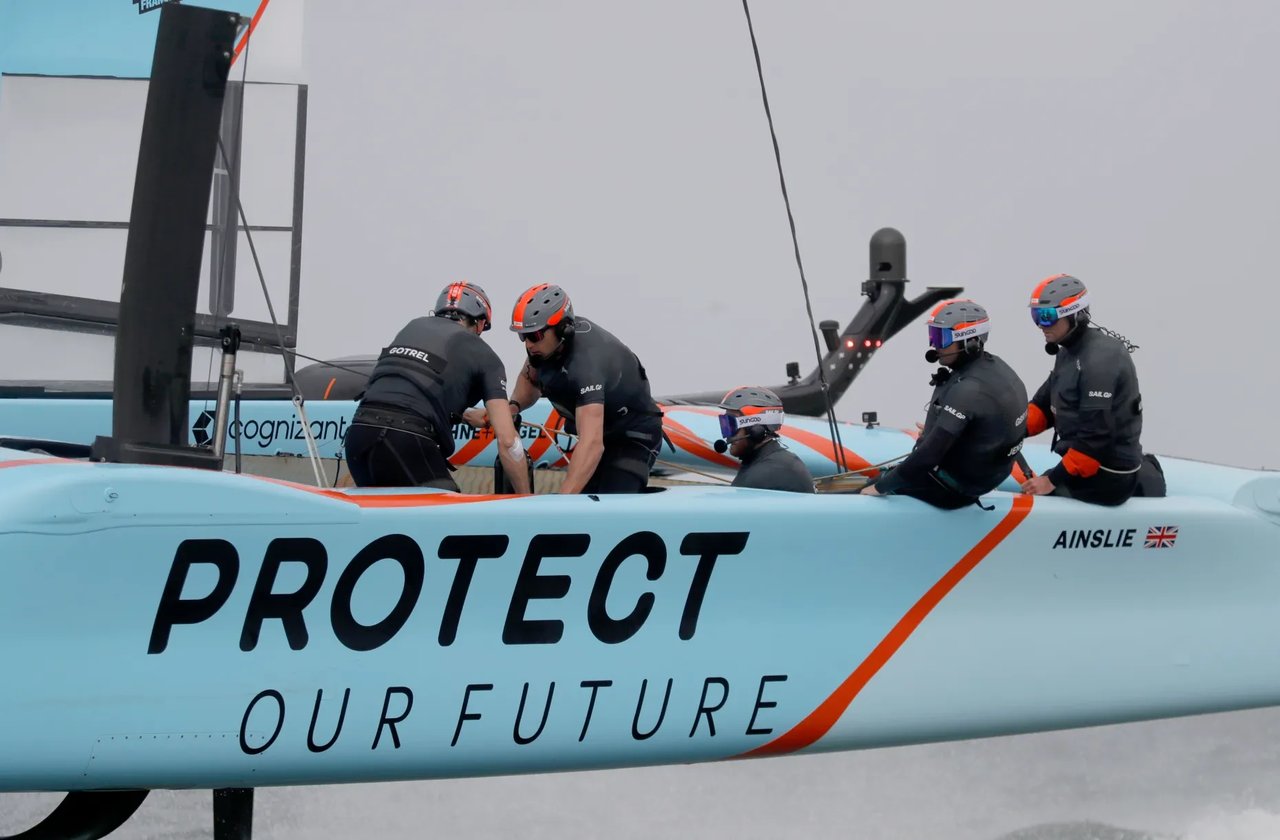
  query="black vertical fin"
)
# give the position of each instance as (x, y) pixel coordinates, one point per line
(166, 239)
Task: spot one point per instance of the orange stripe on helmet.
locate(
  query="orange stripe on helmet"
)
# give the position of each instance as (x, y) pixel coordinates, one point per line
(1039, 289)
(522, 302)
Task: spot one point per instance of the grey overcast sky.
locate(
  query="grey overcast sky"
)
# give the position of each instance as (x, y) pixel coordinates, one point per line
(621, 150)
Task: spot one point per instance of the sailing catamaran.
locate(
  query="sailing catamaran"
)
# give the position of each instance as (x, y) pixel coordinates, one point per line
(171, 626)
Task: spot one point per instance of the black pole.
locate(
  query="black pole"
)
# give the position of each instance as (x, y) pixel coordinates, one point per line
(166, 239)
(233, 814)
(883, 314)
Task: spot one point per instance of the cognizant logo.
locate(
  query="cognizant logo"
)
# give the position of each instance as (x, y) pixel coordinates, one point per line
(264, 433)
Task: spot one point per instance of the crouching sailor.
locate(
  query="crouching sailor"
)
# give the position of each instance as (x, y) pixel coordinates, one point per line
(596, 383)
(402, 431)
(976, 419)
(750, 427)
(1092, 401)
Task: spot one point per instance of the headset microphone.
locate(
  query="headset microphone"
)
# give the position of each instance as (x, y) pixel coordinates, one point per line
(1051, 348)
(720, 446)
(931, 355)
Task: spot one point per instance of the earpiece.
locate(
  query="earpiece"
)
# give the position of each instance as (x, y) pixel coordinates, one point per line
(565, 328)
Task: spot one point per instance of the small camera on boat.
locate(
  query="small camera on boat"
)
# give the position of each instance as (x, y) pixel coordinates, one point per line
(871, 419)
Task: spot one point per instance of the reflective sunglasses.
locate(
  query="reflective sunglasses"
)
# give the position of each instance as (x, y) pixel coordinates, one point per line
(535, 336)
(1044, 316)
(939, 337)
(730, 424)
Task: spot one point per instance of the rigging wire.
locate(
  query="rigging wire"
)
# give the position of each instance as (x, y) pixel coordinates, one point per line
(313, 451)
(218, 314)
(837, 445)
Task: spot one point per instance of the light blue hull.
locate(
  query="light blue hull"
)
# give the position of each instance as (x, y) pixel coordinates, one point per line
(271, 427)
(135, 644)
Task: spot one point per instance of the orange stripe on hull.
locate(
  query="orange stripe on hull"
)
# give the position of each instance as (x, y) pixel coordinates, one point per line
(390, 500)
(472, 448)
(683, 437)
(820, 721)
(544, 442)
(823, 446)
(27, 462)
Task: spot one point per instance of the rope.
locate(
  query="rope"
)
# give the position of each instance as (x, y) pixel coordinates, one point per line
(795, 241)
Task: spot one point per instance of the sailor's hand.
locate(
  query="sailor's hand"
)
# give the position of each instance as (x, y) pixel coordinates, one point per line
(477, 418)
(1038, 486)
(870, 490)
(919, 428)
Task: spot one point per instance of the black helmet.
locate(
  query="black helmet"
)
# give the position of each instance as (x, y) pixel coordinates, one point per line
(464, 299)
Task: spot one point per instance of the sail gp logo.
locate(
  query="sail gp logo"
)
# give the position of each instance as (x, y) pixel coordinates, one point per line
(151, 5)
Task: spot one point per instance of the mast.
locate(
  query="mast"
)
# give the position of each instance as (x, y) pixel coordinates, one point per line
(166, 240)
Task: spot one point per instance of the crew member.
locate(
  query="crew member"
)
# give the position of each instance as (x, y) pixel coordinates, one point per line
(753, 416)
(976, 419)
(596, 383)
(1092, 401)
(437, 366)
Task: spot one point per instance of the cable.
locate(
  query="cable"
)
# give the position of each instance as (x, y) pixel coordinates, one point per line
(313, 451)
(795, 241)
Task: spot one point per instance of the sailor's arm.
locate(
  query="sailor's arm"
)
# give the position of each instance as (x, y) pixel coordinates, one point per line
(510, 449)
(927, 454)
(1039, 415)
(589, 420)
(527, 389)
(1097, 424)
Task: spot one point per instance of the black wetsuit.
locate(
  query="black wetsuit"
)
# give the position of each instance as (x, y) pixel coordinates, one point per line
(972, 432)
(771, 467)
(402, 431)
(1091, 398)
(592, 367)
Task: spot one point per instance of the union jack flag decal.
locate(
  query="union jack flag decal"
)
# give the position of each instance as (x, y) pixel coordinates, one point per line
(1161, 536)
